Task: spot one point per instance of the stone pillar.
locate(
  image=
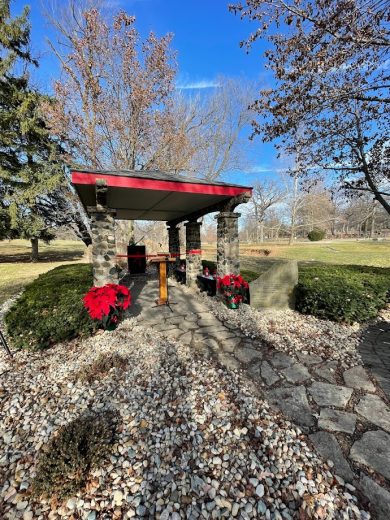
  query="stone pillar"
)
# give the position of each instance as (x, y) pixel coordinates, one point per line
(174, 243)
(193, 261)
(228, 251)
(103, 246)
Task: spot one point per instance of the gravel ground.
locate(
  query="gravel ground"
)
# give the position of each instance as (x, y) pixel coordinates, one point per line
(292, 332)
(193, 443)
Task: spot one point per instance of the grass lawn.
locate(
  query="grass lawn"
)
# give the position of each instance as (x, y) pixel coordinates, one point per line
(16, 269)
(334, 252)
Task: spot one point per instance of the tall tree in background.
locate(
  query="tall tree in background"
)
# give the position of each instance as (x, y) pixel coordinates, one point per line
(265, 196)
(117, 106)
(216, 126)
(30, 171)
(331, 94)
(113, 108)
(114, 95)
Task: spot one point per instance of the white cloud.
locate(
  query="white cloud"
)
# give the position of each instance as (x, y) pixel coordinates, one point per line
(260, 168)
(116, 4)
(192, 85)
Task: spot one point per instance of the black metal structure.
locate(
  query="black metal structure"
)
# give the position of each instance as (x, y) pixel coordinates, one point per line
(5, 344)
(136, 265)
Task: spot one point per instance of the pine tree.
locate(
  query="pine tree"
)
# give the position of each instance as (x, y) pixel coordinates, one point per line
(31, 171)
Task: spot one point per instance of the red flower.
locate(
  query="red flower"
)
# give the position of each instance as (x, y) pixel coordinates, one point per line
(232, 287)
(101, 301)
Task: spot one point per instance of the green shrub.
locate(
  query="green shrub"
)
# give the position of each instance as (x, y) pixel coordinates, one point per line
(50, 309)
(74, 450)
(342, 293)
(316, 234)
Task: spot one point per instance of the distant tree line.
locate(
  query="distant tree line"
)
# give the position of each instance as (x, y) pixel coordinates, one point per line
(288, 211)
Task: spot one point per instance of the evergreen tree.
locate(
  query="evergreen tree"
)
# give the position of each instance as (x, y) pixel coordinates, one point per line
(31, 171)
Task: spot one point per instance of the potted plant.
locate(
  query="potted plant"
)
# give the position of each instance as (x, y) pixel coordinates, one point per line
(233, 289)
(107, 304)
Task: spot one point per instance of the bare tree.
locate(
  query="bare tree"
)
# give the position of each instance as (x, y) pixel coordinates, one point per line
(113, 104)
(295, 201)
(265, 196)
(329, 60)
(114, 96)
(318, 209)
(216, 128)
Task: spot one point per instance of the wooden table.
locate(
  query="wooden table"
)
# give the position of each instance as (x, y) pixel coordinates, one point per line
(162, 263)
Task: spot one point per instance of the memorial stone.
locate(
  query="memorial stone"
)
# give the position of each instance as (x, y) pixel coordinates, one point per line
(275, 288)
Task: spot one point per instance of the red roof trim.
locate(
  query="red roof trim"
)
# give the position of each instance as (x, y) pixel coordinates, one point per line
(151, 184)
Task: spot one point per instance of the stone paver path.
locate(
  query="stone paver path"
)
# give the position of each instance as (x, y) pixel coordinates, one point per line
(375, 352)
(346, 416)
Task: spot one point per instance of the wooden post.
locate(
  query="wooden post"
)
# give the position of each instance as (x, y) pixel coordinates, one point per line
(162, 278)
(163, 289)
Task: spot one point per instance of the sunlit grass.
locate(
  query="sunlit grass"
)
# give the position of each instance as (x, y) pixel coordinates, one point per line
(333, 252)
(16, 269)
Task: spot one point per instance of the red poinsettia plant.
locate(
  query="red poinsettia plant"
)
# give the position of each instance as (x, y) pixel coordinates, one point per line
(107, 304)
(232, 288)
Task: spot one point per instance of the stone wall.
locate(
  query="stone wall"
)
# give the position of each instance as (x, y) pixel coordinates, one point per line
(103, 246)
(228, 248)
(193, 261)
(276, 287)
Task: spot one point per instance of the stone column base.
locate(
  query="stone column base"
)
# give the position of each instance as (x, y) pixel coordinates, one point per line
(193, 261)
(103, 247)
(228, 250)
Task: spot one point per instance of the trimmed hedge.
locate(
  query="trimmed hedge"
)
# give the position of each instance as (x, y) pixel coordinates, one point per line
(50, 309)
(316, 234)
(343, 293)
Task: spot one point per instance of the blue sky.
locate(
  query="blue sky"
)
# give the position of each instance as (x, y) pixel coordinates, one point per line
(206, 38)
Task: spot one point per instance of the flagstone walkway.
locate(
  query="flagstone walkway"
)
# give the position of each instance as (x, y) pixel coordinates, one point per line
(345, 413)
(375, 352)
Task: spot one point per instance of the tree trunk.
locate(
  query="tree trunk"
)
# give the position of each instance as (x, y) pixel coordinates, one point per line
(34, 249)
(372, 230)
(261, 230)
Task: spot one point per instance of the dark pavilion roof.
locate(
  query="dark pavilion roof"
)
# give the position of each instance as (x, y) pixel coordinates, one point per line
(154, 195)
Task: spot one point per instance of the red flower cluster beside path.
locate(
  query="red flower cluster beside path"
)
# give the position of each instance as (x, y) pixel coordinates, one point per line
(229, 280)
(232, 287)
(111, 298)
